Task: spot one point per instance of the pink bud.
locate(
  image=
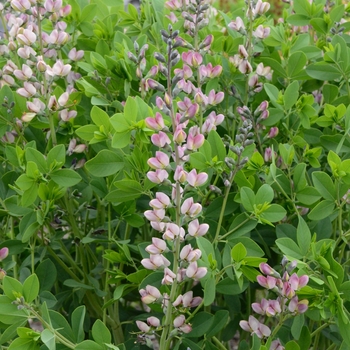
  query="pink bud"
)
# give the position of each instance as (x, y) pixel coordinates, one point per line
(161, 139)
(273, 132)
(4, 252)
(143, 327)
(153, 321)
(195, 272)
(63, 99)
(169, 277)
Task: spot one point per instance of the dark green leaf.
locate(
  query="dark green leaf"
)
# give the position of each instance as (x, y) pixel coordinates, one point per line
(105, 163)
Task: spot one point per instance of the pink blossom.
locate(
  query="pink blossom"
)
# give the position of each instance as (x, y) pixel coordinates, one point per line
(296, 306)
(160, 202)
(193, 59)
(179, 135)
(195, 179)
(150, 294)
(180, 174)
(155, 215)
(24, 74)
(195, 272)
(153, 321)
(66, 115)
(261, 8)
(158, 246)
(160, 161)
(276, 345)
(197, 230)
(28, 90)
(273, 132)
(261, 32)
(190, 208)
(267, 282)
(237, 25)
(161, 139)
(143, 327)
(298, 282)
(189, 254)
(21, 5)
(155, 261)
(253, 326)
(169, 277)
(158, 176)
(26, 37)
(173, 231)
(156, 123)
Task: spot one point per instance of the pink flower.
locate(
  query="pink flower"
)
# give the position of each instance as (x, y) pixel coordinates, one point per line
(158, 246)
(155, 215)
(273, 132)
(195, 179)
(197, 230)
(161, 139)
(155, 261)
(276, 345)
(158, 176)
(190, 208)
(156, 123)
(28, 90)
(189, 254)
(298, 282)
(26, 37)
(75, 55)
(143, 327)
(253, 326)
(193, 59)
(59, 69)
(180, 174)
(194, 139)
(21, 5)
(160, 202)
(25, 74)
(150, 294)
(195, 272)
(237, 24)
(173, 231)
(160, 161)
(169, 277)
(261, 32)
(296, 306)
(267, 282)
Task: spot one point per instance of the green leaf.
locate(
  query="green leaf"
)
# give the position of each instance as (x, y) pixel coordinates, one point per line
(31, 230)
(47, 274)
(100, 333)
(88, 345)
(75, 284)
(77, 321)
(323, 71)
(219, 322)
(304, 340)
(264, 195)
(88, 13)
(299, 178)
(273, 94)
(238, 252)
(56, 155)
(324, 185)
(292, 345)
(122, 290)
(105, 163)
(24, 344)
(119, 196)
(308, 195)
(273, 213)
(217, 146)
(87, 132)
(253, 249)
(303, 236)
(209, 291)
(121, 139)
(38, 158)
(322, 210)
(128, 186)
(291, 95)
(100, 118)
(65, 177)
(247, 198)
(12, 287)
(289, 247)
(61, 325)
(31, 288)
(296, 64)
(49, 339)
(201, 324)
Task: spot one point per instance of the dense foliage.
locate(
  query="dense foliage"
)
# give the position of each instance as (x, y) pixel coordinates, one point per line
(175, 177)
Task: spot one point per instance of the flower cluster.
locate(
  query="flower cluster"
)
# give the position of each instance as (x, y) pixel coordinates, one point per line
(180, 125)
(35, 61)
(287, 303)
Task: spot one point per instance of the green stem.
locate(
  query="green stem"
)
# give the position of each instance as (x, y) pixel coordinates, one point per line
(220, 346)
(14, 256)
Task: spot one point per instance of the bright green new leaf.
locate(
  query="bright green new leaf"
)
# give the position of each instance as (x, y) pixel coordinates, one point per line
(100, 333)
(238, 252)
(65, 177)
